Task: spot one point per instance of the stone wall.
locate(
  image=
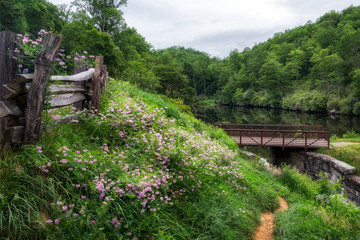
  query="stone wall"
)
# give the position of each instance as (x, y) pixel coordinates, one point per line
(313, 163)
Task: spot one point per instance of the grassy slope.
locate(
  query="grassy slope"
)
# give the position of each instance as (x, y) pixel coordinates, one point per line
(349, 154)
(141, 169)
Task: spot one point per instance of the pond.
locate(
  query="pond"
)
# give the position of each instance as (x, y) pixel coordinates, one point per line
(336, 124)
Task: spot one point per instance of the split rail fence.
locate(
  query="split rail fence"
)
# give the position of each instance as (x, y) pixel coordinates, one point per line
(23, 96)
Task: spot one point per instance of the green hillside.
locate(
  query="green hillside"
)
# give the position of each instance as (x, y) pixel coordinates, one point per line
(314, 67)
(141, 169)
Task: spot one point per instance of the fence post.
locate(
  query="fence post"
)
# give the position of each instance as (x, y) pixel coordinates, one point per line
(78, 69)
(36, 96)
(7, 72)
(97, 82)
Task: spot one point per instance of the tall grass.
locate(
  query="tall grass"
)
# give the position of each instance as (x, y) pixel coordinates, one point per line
(318, 210)
(140, 168)
(349, 154)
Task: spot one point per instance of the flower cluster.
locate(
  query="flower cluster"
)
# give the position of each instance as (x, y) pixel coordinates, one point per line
(145, 160)
(28, 48)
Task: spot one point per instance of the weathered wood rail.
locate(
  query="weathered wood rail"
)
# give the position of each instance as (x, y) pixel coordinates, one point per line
(26, 94)
(284, 136)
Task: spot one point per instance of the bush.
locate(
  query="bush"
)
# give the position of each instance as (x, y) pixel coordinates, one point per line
(306, 101)
(333, 104)
(345, 106)
(356, 109)
(298, 183)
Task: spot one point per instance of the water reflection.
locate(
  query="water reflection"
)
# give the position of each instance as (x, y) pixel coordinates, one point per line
(224, 114)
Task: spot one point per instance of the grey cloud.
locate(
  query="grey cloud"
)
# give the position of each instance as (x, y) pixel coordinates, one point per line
(221, 43)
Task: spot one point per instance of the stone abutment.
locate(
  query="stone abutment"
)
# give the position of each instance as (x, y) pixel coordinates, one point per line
(313, 163)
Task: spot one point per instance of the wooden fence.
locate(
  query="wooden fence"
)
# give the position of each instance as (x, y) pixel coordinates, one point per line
(23, 96)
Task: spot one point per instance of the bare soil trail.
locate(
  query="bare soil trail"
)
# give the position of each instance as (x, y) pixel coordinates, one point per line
(343, 144)
(266, 229)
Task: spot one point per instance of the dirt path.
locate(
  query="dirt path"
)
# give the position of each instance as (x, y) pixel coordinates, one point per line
(343, 144)
(265, 230)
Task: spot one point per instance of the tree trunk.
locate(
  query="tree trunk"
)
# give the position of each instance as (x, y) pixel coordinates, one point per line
(36, 97)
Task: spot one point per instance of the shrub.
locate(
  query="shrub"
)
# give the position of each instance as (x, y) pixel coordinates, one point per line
(356, 109)
(333, 104)
(345, 106)
(306, 101)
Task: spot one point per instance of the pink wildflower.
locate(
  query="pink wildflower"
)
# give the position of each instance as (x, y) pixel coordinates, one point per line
(25, 40)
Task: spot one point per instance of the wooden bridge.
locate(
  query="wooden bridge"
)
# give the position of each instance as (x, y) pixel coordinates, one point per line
(284, 136)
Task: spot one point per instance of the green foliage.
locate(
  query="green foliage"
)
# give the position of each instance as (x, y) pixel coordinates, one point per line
(12, 16)
(132, 44)
(298, 183)
(317, 210)
(105, 14)
(306, 101)
(83, 179)
(308, 68)
(349, 154)
(88, 38)
(21, 16)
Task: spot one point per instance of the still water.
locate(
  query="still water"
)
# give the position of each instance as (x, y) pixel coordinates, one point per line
(337, 125)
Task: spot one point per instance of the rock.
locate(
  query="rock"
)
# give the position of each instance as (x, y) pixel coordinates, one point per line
(250, 154)
(333, 112)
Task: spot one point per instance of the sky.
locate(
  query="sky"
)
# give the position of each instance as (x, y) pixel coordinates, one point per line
(218, 27)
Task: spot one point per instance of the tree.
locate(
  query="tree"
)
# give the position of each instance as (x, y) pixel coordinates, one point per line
(271, 78)
(293, 65)
(132, 44)
(12, 16)
(40, 14)
(88, 38)
(105, 14)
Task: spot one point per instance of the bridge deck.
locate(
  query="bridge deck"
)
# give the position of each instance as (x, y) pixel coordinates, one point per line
(284, 136)
(312, 143)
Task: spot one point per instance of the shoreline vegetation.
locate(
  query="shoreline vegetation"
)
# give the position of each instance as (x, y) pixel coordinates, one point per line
(215, 102)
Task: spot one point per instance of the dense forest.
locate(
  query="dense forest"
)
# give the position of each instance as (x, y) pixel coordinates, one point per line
(314, 67)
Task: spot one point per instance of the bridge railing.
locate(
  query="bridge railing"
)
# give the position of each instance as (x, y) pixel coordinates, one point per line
(270, 126)
(280, 138)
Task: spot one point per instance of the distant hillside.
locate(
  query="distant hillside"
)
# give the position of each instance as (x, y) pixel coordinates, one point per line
(315, 67)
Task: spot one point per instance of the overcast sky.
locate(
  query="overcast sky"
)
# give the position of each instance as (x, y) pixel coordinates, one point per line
(217, 27)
